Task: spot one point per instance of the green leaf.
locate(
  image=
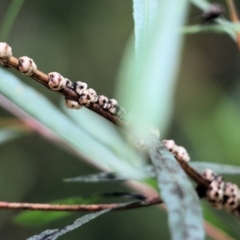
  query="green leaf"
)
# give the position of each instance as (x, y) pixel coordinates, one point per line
(145, 15)
(43, 235)
(147, 171)
(184, 211)
(210, 28)
(227, 26)
(146, 86)
(54, 234)
(9, 18)
(32, 218)
(106, 133)
(72, 135)
(98, 177)
(216, 167)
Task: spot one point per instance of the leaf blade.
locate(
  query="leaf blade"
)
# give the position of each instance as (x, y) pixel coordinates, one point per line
(185, 216)
(54, 234)
(149, 82)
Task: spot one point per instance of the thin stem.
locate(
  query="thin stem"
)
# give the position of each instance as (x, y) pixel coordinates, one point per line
(74, 208)
(193, 174)
(234, 17)
(68, 93)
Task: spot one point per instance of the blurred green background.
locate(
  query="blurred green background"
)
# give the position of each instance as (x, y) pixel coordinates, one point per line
(85, 40)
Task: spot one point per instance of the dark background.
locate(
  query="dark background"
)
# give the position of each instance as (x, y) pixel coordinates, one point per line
(84, 40)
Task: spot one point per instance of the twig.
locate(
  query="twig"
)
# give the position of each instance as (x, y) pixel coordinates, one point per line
(73, 208)
(193, 174)
(234, 17)
(42, 78)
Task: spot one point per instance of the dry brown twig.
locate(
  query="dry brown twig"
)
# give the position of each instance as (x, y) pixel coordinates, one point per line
(82, 207)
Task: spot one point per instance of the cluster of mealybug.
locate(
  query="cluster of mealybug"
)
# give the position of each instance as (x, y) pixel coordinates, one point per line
(25, 64)
(56, 82)
(222, 194)
(179, 152)
(87, 96)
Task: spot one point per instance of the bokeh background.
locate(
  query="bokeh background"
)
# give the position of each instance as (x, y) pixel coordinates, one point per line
(85, 40)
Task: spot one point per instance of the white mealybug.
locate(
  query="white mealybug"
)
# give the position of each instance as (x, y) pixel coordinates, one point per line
(79, 87)
(208, 174)
(27, 66)
(69, 83)
(182, 154)
(215, 193)
(72, 104)
(93, 95)
(231, 196)
(103, 102)
(113, 106)
(56, 81)
(169, 144)
(5, 52)
(85, 98)
(178, 151)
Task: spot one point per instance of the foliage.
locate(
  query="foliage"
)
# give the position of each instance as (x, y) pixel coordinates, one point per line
(148, 77)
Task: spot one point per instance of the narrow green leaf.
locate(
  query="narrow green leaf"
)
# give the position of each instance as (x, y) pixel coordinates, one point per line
(73, 136)
(98, 177)
(44, 235)
(106, 133)
(32, 218)
(149, 82)
(145, 15)
(9, 18)
(227, 26)
(185, 215)
(216, 167)
(209, 28)
(129, 195)
(54, 234)
(147, 172)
